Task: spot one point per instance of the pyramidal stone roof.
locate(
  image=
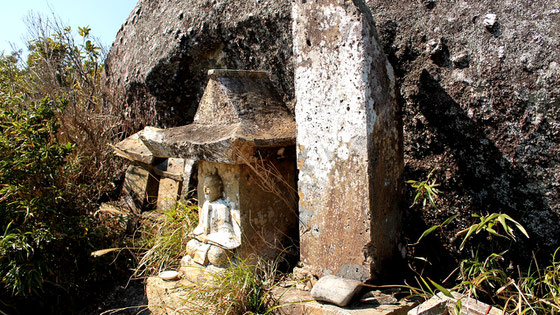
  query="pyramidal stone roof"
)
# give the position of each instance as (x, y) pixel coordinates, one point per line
(239, 111)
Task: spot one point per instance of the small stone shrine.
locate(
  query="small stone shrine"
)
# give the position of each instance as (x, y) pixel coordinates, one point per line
(243, 138)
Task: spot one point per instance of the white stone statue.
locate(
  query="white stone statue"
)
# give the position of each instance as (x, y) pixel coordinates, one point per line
(214, 239)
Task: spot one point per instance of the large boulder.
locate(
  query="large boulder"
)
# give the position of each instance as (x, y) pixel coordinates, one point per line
(479, 83)
(162, 53)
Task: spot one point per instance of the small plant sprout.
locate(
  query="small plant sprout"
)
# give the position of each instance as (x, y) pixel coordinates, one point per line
(426, 190)
(434, 227)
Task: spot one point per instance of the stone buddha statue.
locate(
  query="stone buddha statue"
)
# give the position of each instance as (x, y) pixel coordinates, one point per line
(214, 239)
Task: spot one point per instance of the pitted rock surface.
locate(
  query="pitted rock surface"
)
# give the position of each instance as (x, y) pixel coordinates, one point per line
(164, 49)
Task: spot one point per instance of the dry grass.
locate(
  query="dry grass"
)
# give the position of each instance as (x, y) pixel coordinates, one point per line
(161, 239)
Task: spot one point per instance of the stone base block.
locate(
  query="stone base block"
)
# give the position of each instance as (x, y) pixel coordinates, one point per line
(170, 184)
(196, 273)
(168, 193)
(165, 297)
(176, 297)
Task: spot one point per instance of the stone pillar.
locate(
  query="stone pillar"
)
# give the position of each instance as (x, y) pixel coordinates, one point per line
(189, 173)
(170, 183)
(140, 188)
(349, 141)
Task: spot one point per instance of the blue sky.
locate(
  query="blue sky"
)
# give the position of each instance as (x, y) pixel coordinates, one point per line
(104, 17)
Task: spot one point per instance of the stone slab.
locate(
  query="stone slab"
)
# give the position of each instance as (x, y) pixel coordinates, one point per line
(299, 302)
(336, 290)
(349, 142)
(440, 304)
(134, 149)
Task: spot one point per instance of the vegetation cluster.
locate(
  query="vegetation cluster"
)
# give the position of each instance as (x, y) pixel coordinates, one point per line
(489, 269)
(55, 168)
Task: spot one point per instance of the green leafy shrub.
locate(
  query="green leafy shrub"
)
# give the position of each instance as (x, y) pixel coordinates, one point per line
(34, 203)
(55, 168)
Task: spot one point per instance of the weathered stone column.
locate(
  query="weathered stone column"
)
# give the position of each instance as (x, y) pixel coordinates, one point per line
(170, 183)
(349, 141)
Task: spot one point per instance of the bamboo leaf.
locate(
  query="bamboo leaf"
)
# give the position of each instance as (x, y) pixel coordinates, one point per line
(423, 259)
(493, 232)
(469, 233)
(451, 218)
(441, 288)
(427, 285)
(426, 233)
(502, 221)
(518, 225)
(458, 307)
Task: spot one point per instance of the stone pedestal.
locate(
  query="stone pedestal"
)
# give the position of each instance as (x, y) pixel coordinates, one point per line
(349, 141)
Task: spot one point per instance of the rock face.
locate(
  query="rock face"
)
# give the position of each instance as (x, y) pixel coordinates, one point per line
(481, 85)
(349, 142)
(479, 80)
(163, 51)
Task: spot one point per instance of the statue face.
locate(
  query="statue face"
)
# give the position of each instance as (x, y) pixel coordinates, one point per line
(212, 189)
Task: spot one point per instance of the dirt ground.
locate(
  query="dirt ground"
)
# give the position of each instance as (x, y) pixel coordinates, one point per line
(124, 298)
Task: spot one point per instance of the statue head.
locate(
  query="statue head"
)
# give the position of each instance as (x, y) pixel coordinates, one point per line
(213, 187)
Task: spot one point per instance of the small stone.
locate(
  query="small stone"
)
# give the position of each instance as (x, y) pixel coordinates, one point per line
(501, 52)
(489, 21)
(169, 275)
(461, 60)
(439, 53)
(335, 290)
